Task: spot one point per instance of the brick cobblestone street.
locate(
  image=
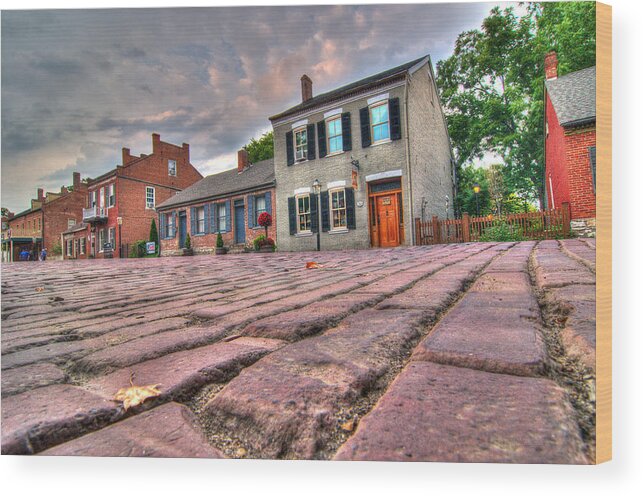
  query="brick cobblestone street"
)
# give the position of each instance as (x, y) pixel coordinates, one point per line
(467, 352)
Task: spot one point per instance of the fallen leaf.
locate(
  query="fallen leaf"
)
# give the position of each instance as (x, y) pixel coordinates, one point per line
(135, 395)
(313, 265)
(348, 425)
(241, 452)
(39, 289)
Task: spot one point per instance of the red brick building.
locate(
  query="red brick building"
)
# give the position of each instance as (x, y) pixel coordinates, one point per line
(48, 217)
(229, 202)
(570, 143)
(130, 192)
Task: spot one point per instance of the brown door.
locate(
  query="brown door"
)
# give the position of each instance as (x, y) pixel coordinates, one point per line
(389, 225)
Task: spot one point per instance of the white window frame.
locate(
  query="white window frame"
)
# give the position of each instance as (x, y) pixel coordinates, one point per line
(222, 217)
(147, 203)
(330, 121)
(83, 245)
(169, 225)
(332, 211)
(200, 219)
(303, 213)
(101, 240)
(111, 195)
(111, 236)
(372, 125)
(69, 247)
(71, 223)
(92, 199)
(102, 198)
(171, 171)
(304, 148)
(259, 211)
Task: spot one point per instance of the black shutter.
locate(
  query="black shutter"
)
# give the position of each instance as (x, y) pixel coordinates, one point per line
(292, 215)
(321, 137)
(192, 221)
(394, 116)
(365, 126)
(325, 212)
(350, 208)
(310, 140)
(314, 213)
(162, 226)
(347, 143)
(290, 153)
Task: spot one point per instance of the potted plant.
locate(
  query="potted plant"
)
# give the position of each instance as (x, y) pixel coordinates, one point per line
(265, 221)
(220, 250)
(262, 244)
(187, 251)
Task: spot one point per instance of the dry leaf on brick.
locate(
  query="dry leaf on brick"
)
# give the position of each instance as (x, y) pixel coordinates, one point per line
(39, 289)
(135, 395)
(313, 265)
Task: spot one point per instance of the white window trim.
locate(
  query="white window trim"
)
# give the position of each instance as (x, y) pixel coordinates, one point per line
(336, 184)
(328, 136)
(222, 206)
(308, 231)
(109, 195)
(176, 167)
(302, 191)
(147, 207)
(82, 243)
(377, 99)
(371, 125)
(196, 221)
(384, 175)
(332, 113)
(330, 211)
(294, 144)
(298, 124)
(100, 245)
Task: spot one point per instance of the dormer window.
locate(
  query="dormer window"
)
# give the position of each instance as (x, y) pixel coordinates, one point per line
(171, 167)
(380, 130)
(301, 143)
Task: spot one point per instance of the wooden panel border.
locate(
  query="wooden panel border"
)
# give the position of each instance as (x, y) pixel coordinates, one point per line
(603, 232)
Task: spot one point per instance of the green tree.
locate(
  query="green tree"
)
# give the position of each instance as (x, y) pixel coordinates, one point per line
(466, 200)
(154, 236)
(492, 86)
(260, 149)
(5, 211)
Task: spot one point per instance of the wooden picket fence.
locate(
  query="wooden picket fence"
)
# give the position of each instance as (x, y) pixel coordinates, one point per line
(546, 224)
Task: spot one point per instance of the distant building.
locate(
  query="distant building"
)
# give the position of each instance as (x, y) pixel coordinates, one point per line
(130, 192)
(229, 203)
(570, 143)
(379, 150)
(50, 214)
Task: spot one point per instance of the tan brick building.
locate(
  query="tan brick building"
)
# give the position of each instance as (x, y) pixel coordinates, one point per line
(130, 192)
(229, 202)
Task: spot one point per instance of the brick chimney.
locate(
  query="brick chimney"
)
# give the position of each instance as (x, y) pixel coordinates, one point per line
(242, 160)
(126, 156)
(156, 142)
(186, 150)
(41, 195)
(306, 88)
(551, 66)
(76, 176)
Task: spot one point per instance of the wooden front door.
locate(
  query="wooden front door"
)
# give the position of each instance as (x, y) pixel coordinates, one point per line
(388, 220)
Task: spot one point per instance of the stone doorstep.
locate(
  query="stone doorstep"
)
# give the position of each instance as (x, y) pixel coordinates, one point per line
(440, 413)
(169, 431)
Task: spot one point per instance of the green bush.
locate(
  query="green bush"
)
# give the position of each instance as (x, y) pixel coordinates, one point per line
(57, 249)
(502, 231)
(219, 240)
(137, 250)
(188, 242)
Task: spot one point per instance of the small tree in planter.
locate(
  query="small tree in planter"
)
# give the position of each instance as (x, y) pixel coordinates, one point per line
(220, 250)
(154, 236)
(266, 244)
(188, 246)
(265, 221)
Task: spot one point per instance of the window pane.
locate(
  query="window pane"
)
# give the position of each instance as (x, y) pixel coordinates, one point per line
(379, 114)
(335, 144)
(380, 132)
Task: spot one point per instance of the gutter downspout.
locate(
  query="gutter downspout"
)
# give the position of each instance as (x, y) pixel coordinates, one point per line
(409, 218)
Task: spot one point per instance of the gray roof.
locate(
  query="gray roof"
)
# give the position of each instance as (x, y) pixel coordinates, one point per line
(352, 87)
(226, 183)
(574, 97)
(76, 227)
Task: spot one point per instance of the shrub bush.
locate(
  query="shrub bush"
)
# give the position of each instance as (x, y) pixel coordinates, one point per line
(188, 242)
(219, 240)
(502, 231)
(137, 250)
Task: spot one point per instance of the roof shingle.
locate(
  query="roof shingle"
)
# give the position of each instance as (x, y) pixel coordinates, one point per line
(574, 97)
(226, 183)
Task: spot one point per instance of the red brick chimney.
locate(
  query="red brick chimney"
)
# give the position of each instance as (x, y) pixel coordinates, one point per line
(156, 142)
(76, 176)
(242, 160)
(551, 66)
(306, 88)
(126, 156)
(41, 195)
(186, 150)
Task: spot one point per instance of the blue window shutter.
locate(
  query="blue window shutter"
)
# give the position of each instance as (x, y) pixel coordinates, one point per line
(228, 217)
(251, 211)
(206, 218)
(213, 218)
(395, 120)
(175, 227)
(269, 204)
(192, 221)
(162, 226)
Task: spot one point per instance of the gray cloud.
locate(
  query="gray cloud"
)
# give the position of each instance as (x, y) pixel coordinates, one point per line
(77, 85)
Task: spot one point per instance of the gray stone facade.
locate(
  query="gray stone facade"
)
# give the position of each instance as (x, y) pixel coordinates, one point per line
(421, 160)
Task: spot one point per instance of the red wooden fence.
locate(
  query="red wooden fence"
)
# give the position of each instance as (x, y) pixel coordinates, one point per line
(546, 224)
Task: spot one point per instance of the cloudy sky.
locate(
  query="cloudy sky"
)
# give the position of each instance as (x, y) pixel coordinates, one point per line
(78, 85)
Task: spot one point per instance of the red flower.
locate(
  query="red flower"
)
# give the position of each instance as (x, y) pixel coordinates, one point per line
(265, 219)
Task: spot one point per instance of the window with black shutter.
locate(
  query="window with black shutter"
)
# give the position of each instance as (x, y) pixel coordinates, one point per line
(394, 116)
(325, 212)
(350, 208)
(292, 215)
(290, 153)
(365, 127)
(310, 133)
(321, 138)
(346, 132)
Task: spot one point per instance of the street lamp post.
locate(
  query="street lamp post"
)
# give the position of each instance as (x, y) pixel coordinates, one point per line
(317, 190)
(120, 242)
(476, 190)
